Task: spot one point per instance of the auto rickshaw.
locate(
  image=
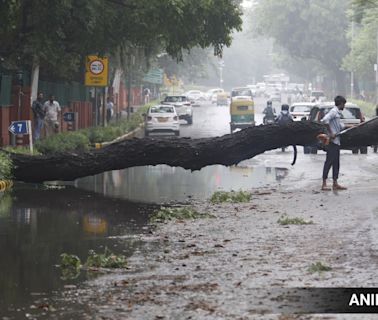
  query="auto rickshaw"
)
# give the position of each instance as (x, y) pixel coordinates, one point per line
(242, 111)
(222, 99)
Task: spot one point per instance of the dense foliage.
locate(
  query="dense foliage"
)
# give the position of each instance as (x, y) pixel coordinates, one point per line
(58, 34)
(307, 30)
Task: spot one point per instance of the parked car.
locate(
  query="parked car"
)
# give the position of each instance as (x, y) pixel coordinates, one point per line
(162, 118)
(301, 111)
(183, 107)
(351, 116)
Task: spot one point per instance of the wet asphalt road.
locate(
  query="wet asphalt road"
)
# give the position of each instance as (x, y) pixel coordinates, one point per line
(161, 184)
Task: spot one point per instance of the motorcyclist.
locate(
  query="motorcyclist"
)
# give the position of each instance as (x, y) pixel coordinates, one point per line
(284, 118)
(269, 113)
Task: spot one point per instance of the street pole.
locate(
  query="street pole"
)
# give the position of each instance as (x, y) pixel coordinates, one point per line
(96, 107)
(104, 107)
(376, 75)
(352, 73)
(129, 89)
(221, 77)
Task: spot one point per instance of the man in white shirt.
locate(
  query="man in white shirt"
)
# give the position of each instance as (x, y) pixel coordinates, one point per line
(52, 116)
(334, 126)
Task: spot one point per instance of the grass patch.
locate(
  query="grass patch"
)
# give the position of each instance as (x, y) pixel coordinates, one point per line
(184, 213)
(319, 267)
(6, 166)
(285, 220)
(231, 197)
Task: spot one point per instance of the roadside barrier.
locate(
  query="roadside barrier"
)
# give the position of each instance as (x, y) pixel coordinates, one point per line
(5, 184)
(126, 136)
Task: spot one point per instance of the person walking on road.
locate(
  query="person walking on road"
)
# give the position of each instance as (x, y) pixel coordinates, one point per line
(109, 109)
(334, 125)
(52, 116)
(39, 116)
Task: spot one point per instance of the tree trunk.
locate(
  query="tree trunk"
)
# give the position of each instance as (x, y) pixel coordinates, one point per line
(192, 154)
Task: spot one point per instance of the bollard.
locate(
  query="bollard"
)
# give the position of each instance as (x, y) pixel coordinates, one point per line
(70, 126)
(19, 140)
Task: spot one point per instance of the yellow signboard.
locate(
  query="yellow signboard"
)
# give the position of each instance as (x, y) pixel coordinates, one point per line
(96, 71)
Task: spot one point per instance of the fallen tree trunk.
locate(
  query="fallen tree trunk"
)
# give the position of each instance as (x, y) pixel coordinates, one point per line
(192, 154)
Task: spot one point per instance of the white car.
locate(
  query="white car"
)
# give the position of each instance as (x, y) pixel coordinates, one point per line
(253, 88)
(213, 93)
(301, 110)
(162, 118)
(182, 105)
(195, 95)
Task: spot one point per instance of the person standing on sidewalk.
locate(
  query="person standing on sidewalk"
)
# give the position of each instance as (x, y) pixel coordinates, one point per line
(334, 125)
(147, 93)
(109, 109)
(52, 110)
(39, 116)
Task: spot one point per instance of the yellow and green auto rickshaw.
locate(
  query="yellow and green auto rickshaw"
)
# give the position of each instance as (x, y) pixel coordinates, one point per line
(242, 109)
(222, 99)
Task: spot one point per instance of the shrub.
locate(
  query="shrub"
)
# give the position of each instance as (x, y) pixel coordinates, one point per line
(367, 108)
(6, 166)
(63, 142)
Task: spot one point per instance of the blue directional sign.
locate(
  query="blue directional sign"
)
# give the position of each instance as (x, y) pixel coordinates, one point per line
(19, 127)
(69, 116)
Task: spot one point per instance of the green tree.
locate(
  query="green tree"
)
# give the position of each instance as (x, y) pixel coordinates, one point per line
(58, 34)
(308, 30)
(363, 52)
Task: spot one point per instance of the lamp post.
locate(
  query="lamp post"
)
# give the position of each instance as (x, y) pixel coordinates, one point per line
(221, 66)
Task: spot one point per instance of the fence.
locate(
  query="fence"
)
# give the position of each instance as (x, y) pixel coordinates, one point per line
(65, 93)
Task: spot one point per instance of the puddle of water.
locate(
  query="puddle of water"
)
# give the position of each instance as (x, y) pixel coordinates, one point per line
(36, 226)
(159, 184)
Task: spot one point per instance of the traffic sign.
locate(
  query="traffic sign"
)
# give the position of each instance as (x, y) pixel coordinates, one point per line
(96, 71)
(69, 116)
(19, 127)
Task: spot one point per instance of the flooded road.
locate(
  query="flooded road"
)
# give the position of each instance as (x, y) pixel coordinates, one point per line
(37, 225)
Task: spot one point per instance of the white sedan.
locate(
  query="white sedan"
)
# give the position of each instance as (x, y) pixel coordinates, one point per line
(162, 118)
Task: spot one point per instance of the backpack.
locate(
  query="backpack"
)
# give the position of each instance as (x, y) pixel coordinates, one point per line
(284, 119)
(269, 112)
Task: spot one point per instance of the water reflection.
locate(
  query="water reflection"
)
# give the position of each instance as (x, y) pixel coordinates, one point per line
(157, 184)
(36, 226)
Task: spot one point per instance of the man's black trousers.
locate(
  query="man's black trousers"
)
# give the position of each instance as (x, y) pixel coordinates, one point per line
(332, 160)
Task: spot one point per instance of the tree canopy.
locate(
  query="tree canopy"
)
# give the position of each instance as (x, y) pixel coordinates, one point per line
(307, 29)
(60, 33)
(363, 53)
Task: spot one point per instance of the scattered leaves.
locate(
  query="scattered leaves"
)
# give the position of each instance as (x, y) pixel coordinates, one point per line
(183, 213)
(231, 197)
(285, 220)
(319, 267)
